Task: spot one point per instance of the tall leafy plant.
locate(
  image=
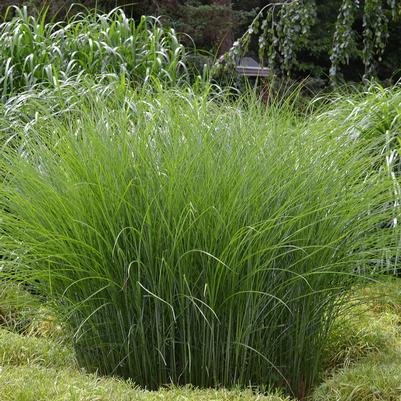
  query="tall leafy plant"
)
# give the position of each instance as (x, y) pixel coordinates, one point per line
(36, 52)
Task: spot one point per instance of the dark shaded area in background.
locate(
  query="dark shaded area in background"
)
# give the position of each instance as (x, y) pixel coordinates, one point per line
(213, 25)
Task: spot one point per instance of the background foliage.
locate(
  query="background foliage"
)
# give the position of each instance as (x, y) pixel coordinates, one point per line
(338, 40)
(112, 46)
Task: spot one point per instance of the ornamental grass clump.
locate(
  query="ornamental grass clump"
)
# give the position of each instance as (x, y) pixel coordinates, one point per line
(36, 52)
(188, 239)
(374, 113)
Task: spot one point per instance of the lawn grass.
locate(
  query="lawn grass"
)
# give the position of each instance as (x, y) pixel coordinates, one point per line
(16, 349)
(41, 368)
(365, 348)
(37, 383)
(374, 378)
(370, 323)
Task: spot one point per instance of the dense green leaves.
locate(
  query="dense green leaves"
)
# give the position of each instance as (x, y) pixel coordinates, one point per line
(110, 45)
(286, 33)
(344, 42)
(339, 40)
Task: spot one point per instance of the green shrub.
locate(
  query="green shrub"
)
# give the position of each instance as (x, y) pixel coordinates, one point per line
(110, 45)
(190, 240)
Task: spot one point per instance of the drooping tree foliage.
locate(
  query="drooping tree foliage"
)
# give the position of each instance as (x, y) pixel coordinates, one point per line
(286, 34)
(376, 15)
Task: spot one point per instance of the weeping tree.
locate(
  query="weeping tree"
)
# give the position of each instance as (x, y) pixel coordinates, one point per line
(282, 30)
